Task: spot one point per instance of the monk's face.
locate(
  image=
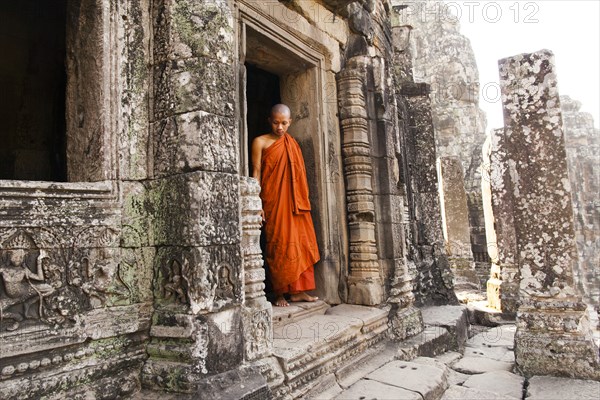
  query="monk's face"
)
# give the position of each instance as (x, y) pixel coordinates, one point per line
(280, 122)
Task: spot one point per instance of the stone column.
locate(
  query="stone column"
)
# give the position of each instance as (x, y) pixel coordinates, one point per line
(494, 282)
(257, 321)
(455, 221)
(364, 281)
(553, 334)
(504, 225)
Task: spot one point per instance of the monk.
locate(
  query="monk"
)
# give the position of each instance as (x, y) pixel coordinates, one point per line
(292, 250)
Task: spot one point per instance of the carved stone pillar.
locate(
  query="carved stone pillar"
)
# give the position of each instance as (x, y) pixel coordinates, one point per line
(258, 327)
(504, 225)
(364, 281)
(553, 333)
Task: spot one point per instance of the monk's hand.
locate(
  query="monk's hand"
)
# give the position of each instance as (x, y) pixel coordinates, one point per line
(262, 217)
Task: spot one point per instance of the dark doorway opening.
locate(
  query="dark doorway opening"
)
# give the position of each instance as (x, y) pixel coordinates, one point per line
(262, 92)
(32, 94)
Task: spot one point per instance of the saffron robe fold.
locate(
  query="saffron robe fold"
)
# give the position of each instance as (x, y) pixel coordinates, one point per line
(291, 242)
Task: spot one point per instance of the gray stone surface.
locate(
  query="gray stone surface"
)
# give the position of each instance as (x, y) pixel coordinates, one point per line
(501, 382)
(553, 333)
(429, 381)
(582, 142)
(454, 318)
(553, 388)
(499, 336)
(464, 393)
(501, 187)
(479, 365)
(364, 389)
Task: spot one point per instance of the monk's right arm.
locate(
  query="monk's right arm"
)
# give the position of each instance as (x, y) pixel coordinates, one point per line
(256, 158)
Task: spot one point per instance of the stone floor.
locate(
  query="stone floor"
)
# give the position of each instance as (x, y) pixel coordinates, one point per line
(340, 352)
(483, 370)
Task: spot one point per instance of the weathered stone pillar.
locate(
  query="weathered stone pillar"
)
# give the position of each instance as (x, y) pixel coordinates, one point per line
(553, 334)
(455, 222)
(257, 321)
(364, 281)
(503, 225)
(494, 282)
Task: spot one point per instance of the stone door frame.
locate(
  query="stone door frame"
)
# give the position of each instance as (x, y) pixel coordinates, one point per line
(313, 58)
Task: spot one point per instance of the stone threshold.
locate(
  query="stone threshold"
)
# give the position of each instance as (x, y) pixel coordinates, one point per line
(313, 347)
(283, 316)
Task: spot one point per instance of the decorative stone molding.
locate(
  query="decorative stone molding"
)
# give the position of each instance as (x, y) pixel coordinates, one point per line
(258, 324)
(364, 281)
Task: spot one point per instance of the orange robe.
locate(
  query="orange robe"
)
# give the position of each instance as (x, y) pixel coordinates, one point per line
(291, 243)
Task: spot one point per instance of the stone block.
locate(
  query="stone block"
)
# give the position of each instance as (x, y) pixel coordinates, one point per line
(133, 45)
(550, 387)
(430, 342)
(195, 141)
(501, 382)
(461, 393)
(64, 208)
(207, 211)
(193, 29)
(193, 85)
(373, 359)
(198, 278)
(478, 365)
(218, 340)
(136, 215)
(428, 381)
(372, 389)
(453, 318)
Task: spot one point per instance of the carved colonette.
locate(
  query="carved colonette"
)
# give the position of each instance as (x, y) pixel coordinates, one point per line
(364, 281)
(258, 326)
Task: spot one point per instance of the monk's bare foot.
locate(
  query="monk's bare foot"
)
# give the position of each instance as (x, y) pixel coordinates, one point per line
(303, 296)
(281, 302)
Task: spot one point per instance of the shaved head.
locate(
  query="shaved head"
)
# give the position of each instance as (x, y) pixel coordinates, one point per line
(281, 109)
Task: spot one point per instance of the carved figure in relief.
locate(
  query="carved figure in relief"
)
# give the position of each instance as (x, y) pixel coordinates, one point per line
(103, 279)
(224, 289)
(175, 284)
(20, 284)
(292, 251)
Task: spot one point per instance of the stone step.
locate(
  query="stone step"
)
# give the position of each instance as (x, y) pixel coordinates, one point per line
(353, 371)
(454, 318)
(298, 311)
(313, 349)
(421, 379)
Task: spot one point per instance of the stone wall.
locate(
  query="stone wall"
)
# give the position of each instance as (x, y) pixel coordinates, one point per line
(145, 265)
(582, 141)
(425, 250)
(443, 58)
(76, 258)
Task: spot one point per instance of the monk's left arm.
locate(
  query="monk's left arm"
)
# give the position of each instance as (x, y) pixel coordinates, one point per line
(256, 159)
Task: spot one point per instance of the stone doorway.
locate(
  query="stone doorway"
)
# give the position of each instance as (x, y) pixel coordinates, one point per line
(263, 90)
(277, 69)
(33, 82)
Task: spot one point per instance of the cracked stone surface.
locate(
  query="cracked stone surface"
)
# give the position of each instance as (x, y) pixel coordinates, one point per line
(442, 377)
